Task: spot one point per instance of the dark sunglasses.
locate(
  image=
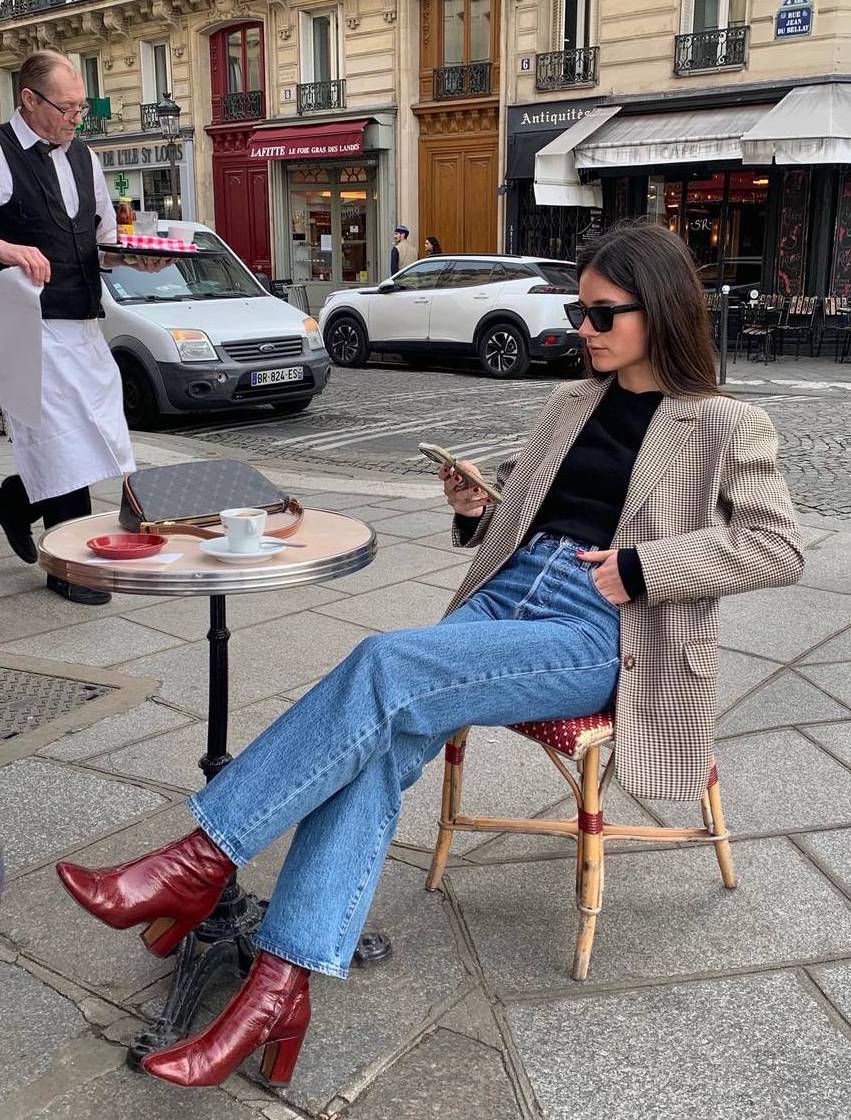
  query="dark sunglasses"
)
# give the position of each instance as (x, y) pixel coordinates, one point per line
(602, 317)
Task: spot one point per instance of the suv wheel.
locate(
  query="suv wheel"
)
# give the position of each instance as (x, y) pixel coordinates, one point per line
(503, 351)
(347, 342)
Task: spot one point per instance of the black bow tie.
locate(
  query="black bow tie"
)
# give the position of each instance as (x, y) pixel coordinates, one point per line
(44, 147)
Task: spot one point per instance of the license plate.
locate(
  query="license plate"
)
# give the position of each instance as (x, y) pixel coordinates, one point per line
(277, 376)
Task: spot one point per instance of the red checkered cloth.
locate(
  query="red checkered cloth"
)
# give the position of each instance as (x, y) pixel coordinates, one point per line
(145, 241)
(573, 737)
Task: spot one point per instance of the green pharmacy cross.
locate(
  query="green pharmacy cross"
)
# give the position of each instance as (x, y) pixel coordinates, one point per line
(121, 184)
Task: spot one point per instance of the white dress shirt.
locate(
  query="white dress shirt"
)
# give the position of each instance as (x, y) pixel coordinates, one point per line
(103, 203)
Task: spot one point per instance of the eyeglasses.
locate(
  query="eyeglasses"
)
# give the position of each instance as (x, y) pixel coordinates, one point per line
(68, 112)
(602, 317)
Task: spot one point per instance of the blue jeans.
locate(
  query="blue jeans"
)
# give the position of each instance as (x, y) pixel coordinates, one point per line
(538, 641)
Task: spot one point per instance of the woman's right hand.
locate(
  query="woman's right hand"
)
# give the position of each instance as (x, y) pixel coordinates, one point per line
(34, 263)
(466, 500)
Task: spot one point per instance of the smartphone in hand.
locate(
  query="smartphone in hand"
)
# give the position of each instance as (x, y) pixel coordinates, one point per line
(446, 458)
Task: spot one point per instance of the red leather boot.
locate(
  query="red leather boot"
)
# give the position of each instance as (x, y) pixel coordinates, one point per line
(271, 1009)
(173, 889)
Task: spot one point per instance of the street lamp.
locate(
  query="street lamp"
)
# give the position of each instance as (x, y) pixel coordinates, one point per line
(168, 114)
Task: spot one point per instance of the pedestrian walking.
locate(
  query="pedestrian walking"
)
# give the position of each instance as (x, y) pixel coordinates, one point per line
(642, 495)
(432, 246)
(403, 252)
(54, 209)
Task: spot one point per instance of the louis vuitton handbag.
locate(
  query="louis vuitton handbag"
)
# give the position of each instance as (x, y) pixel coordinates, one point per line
(186, 498)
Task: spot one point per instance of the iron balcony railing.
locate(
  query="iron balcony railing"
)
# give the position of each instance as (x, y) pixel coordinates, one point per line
(470, 80)
(249, 106)
(315, 97)
(16, 9)
(150, 120)
(564, 69)
(724, 49)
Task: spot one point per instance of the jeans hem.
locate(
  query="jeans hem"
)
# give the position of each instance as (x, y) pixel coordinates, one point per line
(309, 963)
(218, 839)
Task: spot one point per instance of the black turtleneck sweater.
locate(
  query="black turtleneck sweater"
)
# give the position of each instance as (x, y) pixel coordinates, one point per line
(587, 494)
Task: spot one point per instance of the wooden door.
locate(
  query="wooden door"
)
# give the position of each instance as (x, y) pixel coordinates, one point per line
(458, 195)
(242, 212)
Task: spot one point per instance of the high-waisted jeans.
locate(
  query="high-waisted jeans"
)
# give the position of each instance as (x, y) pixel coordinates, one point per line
(538, 641)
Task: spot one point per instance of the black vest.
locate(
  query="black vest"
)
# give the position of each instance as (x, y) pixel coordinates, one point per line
(36, 215)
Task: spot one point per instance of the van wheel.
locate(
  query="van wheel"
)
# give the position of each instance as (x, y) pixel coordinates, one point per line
(290, 408)
(140, 406)
(503, 352)
(347, 342)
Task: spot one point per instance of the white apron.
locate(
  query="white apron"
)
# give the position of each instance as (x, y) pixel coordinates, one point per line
(83, 436)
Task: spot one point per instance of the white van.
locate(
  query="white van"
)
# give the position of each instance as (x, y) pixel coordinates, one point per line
(203, 335)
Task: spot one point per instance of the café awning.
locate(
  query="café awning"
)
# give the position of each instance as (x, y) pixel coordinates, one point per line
(323, 141)
(812, 124)
(647, 139)
(556, 180)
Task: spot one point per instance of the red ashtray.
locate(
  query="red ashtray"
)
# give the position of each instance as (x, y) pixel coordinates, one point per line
(126, 546)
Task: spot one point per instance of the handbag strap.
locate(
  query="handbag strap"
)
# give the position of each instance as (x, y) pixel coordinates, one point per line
(186, 529)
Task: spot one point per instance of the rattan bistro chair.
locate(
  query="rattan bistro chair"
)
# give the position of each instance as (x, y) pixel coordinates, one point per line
(580, 741)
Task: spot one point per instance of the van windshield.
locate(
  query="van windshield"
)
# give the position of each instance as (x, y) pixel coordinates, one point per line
(208, 277)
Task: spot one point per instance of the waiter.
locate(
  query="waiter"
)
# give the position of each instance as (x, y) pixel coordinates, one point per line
(54, 209)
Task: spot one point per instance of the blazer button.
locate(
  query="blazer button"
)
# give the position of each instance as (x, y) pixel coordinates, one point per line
(629, 662)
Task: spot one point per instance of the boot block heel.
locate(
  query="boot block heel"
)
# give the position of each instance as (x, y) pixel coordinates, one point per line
(163, 935)
(279, 1059)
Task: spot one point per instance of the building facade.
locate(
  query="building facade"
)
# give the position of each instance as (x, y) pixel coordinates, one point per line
(728, 121)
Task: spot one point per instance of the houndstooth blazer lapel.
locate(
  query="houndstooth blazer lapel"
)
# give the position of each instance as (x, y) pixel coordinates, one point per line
(565, 432)
(672, 424)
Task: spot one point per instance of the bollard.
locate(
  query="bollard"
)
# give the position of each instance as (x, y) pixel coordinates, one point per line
(722, 341)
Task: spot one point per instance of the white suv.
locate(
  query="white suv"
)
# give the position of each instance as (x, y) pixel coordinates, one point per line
(508, 311)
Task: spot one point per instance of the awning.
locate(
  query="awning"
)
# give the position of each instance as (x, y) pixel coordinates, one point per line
(697, 136)
(556, 180)
(812, 124)
(323, 141)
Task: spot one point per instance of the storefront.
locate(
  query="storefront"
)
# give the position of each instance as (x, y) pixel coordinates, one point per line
(759, 189)
(140, 171)
(328, 185)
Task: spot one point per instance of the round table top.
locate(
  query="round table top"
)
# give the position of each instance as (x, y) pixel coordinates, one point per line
(326, 545)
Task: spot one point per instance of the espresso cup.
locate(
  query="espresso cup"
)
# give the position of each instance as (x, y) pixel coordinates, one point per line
(243, 528)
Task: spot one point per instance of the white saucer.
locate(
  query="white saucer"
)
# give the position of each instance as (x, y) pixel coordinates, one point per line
(218, 548)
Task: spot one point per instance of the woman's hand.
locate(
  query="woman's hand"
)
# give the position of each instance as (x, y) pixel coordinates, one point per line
(606, 578)
(467, 500)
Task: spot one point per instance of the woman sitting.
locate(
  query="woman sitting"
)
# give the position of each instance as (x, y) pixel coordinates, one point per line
(642, 495)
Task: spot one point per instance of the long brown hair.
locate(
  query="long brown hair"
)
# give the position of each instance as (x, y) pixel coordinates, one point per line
(657, 270)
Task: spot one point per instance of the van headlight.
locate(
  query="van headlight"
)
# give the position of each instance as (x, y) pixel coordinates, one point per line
(314, 334)
(193, 346)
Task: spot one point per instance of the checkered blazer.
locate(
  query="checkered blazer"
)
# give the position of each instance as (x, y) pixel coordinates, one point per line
(710, 515)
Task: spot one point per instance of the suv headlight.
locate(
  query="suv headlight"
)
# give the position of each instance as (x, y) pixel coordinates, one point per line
(193, 346)
(314, 334)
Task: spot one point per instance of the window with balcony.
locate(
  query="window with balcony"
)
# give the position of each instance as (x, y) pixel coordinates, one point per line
(715, 36)
(238, 77)
(575, 62)
(322, 87)
(466, 49)
(156, 81)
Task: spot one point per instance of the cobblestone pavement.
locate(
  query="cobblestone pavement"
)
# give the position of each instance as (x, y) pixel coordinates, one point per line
(372, 419)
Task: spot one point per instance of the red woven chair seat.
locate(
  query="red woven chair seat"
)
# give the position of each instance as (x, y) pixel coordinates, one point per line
(571, 737)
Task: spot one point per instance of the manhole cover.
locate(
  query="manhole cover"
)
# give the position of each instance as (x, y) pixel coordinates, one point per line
(27, 700)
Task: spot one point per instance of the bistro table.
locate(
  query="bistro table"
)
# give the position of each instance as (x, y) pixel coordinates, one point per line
(327, 545)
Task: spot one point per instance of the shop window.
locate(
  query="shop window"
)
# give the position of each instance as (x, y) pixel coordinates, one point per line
(156, 188)
(331, 224)
(466, 31)
(156, 71)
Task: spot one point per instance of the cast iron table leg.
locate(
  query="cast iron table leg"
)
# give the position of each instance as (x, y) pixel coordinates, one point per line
(227, 933)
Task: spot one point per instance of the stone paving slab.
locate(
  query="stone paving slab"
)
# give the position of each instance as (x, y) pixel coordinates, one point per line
(46, 807)
(395, 564)
(104, 642)
(776, 781)
(115, 731)
(834, 679)
(753, 1046)
(836, 737)
(447, 577)
(417, 524)
(829, 564)
(28, 1041)
(264, 659)
(832, 849)
(446, 1077)
(835, 981)
(785, 699)
(419, 606)
(738, 673)
(782, 623)
(835, 649)
(36, 612)
(665, 914)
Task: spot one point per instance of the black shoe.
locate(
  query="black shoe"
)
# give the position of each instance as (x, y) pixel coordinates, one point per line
(77, 594)
(18, 532)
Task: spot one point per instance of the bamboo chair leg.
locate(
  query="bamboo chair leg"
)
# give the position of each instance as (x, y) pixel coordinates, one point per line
(591, 874)
(722, 848)
(453, 773)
